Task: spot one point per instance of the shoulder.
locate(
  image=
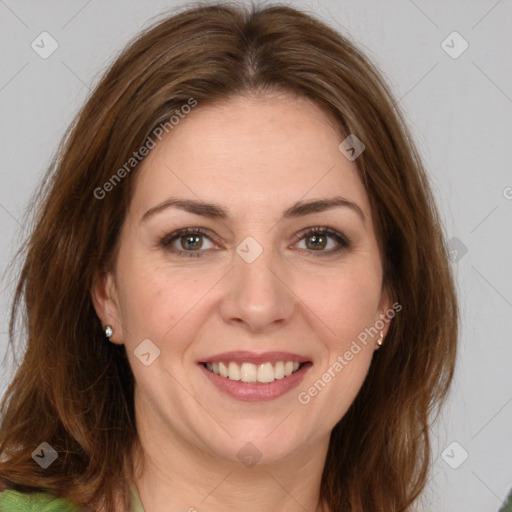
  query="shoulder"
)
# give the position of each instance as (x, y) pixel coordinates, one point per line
(15, 501)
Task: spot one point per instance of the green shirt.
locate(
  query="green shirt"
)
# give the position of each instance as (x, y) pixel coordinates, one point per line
(15, 501)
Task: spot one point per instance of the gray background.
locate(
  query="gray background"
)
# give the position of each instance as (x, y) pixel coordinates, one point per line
(459, 110)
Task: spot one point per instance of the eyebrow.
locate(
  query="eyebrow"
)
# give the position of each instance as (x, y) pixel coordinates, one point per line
(215, 211)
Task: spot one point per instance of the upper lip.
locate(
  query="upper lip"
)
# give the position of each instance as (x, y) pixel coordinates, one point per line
(242, 356)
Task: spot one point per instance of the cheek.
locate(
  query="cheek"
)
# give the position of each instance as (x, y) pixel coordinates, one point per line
(344, 306)
(347, 303)
(158, 302)
(344, 301)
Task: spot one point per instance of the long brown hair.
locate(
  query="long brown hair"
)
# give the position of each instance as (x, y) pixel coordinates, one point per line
(74, 390)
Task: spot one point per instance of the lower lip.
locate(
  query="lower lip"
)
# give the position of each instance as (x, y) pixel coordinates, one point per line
(256, 392)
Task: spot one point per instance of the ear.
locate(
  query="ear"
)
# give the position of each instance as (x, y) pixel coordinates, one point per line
(385, 306)
(106, 303)
(385, 314)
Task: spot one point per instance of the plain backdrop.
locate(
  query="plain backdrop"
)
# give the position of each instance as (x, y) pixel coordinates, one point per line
(459, 107)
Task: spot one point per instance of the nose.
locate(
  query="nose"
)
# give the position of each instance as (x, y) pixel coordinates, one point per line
(259, 294)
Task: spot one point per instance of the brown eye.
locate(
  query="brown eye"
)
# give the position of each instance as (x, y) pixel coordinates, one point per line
(187, 242)
(191, 242)
(323, 241)
(316, 242)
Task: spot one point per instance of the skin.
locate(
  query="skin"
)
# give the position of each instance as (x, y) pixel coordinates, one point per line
(255, 156)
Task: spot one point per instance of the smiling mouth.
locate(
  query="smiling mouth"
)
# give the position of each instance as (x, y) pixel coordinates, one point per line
(264, 373)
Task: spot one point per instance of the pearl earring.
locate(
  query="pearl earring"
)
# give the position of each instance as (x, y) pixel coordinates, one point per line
(381, 339)
(108, 331)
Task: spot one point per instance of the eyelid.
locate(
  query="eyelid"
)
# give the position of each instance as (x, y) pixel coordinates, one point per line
(343, 243)
(324, 230)
(166, 240)
(170, 237)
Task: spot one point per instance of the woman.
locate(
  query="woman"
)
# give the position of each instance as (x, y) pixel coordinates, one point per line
(236, 291)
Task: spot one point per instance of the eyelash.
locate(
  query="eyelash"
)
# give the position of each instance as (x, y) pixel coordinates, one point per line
(341, 239)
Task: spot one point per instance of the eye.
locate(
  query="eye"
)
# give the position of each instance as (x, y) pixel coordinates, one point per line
(317, 239)
(190, 241)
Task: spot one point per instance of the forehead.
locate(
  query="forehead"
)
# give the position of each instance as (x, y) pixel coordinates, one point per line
(250, 152)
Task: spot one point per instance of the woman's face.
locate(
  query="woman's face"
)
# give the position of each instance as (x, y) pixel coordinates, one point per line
(253, 282)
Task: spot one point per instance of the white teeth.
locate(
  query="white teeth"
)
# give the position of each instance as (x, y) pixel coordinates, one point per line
(248, 372)
(279, 370)
(266, 373)
(234, 371)
(223, 370)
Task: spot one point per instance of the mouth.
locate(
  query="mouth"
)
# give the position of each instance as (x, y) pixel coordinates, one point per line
(251, 377)
(246, 372)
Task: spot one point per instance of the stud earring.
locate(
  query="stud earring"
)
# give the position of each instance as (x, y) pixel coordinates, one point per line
(381, 339)
(108, 332)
